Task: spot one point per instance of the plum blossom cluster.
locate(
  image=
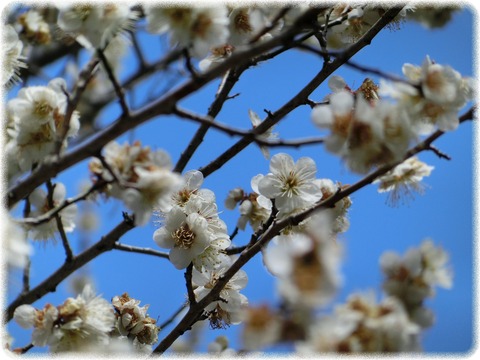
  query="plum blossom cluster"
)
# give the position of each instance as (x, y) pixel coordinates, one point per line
(228, 310)
(73, 326)
(404, 179)
(36, 121)
(133, 322)
(13, 59)
(368, 131)
(138, 176)
(413, 278)
(306, 266)
(192, 228)
(94, 25)
(363, 326)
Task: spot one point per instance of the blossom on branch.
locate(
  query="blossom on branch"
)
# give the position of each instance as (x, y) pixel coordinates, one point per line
(76, 324)
(228, 310)
(140, 177)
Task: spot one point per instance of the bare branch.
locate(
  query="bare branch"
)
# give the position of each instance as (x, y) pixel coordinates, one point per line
(439, 153)
(58, 220)
(118, 89)
(139, 250)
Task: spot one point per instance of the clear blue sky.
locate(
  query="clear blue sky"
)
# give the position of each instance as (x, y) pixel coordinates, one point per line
(443, 213)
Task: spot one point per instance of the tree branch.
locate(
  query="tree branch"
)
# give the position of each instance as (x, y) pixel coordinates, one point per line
(139, 250)
(50, 284)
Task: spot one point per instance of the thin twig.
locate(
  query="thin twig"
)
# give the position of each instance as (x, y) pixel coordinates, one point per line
(67, 202)
(234, 233)
(257, 138)
(58, 220)
(140, 250)
(118, 89)
(439, 153)
(138, 51)
(72, 102)
(173, 316)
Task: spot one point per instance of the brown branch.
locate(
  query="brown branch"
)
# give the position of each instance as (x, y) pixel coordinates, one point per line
(58, 221)
(188, 283)
(118, 89)
(226, 85)
(301, 97)
(439, 153)
(139, 250)
(50, 284)
(90, 147)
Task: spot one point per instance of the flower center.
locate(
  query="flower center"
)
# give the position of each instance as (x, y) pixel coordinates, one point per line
(42, 108)
(184, 237)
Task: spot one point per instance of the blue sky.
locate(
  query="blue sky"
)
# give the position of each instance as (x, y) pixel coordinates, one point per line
(444, 213)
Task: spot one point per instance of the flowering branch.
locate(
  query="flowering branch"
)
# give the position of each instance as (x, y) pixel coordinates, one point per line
(50, 284)
(196, 310)
(52, 166)
(301, 97)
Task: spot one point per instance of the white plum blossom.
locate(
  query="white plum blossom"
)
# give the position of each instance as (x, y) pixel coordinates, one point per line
(412, 278)
(404, 179)
(186, 236)
(337, 117)
(197, 28)
(365, 131)
(40, 205)
(261, 327)
(363, 326)
(228, 310)
(78, 322)
(306, 266)
(34, 28)
(38, 116)
(244, 23)
(13, 59)
(95, 25)
(141, 178)
(436, 94)
(290, 184)
(133, 321)
(191, 190)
